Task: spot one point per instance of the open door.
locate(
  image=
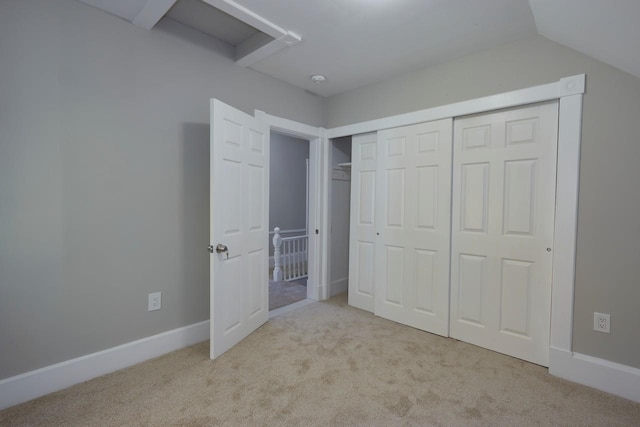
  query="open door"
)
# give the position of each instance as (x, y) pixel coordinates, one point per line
(239, 221)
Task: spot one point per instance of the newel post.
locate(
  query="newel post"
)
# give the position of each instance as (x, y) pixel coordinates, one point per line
(277, 244)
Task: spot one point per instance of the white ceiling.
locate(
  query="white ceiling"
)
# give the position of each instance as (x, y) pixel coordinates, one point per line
(355, 42)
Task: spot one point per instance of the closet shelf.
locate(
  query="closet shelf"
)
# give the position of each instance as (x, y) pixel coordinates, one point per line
(345, 165)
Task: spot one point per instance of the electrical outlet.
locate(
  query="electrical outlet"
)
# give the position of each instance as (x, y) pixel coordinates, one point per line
(602, 322)
(155, 301)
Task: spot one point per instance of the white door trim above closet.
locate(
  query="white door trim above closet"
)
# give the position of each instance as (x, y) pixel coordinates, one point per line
(569, 91)
(566, 86)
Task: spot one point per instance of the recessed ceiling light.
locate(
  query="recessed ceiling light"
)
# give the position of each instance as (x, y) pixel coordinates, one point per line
(318, 78)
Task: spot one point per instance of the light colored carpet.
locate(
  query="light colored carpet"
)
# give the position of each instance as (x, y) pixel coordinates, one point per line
(285, 293)
(326, 365)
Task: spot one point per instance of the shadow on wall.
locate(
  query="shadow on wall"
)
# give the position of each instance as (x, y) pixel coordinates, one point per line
(194, 212)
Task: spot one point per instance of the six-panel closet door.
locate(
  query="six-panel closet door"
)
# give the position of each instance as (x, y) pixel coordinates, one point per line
(362, 231)
(470, 258)
(504, 177)
(412, 225)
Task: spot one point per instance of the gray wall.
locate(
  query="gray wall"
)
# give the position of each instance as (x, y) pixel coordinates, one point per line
(104, 175)
(288, 182)
(607, 277)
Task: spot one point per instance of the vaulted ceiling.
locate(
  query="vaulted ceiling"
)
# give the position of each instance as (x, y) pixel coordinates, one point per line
(355, 42)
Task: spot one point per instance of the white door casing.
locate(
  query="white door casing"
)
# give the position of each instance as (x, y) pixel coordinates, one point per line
(239, 219)
(316, 286)
(362, 231)
(413, 221)
(504, 179)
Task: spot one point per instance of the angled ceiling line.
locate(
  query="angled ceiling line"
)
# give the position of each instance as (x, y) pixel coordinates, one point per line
(258, 47)
(151, 13)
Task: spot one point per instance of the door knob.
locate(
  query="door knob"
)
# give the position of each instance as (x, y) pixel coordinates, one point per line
(220, 248)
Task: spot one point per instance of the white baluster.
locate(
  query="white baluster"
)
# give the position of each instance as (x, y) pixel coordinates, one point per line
(277, 244)
(297, 259)
(286, 263)
(304, 257)
(292, 272)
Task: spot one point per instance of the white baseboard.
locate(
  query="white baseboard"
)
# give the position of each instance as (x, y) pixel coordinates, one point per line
(614, 378)
(30, 385)
(339, 286)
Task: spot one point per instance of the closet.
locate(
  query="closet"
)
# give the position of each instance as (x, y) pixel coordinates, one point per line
(452, 227)
(339, 219)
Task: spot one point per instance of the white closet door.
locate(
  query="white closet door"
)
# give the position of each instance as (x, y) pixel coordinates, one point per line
(504, 178)
(362, 234)
(413, 222)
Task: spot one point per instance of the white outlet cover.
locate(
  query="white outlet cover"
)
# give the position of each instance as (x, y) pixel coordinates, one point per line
(602, 322)
(155, 301)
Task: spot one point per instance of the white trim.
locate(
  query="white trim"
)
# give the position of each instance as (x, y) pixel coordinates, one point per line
(289, 127)
(317, 280)
(547, 92)
(566, 221)
(315, 136)
(306, 197)
(30, 385)
(604, 375)
(151, 13)
(325, 221)
(572, 85)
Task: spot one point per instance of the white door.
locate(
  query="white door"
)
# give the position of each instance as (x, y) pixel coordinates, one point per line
(413, 221)
(239, 214)
(362, 232)
(504, 178)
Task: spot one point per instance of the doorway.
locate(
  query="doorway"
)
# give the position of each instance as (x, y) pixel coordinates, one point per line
(288, 220)
(339, 209)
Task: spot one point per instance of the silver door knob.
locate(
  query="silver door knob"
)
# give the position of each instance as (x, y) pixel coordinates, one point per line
(220, 248)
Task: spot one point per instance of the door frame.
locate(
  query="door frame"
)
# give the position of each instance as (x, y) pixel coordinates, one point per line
(569, 91)
(316, 281)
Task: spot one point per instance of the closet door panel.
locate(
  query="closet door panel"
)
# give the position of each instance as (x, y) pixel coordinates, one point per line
(413, 225)
(503, 211)
(362, 233)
